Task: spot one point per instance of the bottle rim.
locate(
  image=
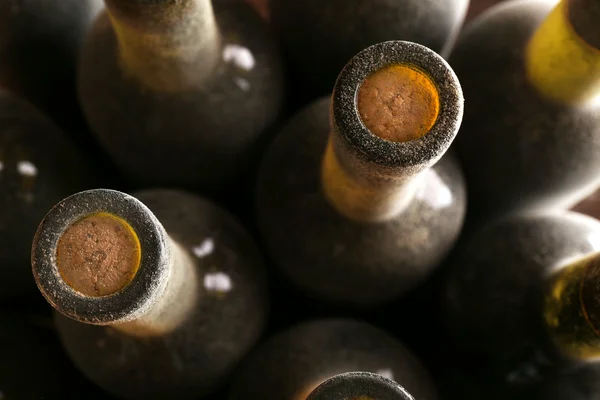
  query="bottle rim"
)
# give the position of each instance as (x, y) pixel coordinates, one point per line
(133, 300)
(423, 151)
(359, 385)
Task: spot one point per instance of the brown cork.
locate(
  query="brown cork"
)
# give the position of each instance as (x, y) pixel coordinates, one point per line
(98, 255)
(398, 103)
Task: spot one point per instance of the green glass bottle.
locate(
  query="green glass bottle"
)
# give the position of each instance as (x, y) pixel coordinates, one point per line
(40, 42)
(520, 307)
(356, 203)
(297, 361)
(180, 93)
(531, 133)
(38, 167)
(149, 309)
(319, 36)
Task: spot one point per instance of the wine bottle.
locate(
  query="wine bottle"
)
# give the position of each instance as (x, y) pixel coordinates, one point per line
(40, 42)
(181, 94)
(364, 213)
(359, 385)
(38, 167)
(33, 364)
(520, 305)
(146, 311)
(319, 37)
(531, 133)
(294, 362)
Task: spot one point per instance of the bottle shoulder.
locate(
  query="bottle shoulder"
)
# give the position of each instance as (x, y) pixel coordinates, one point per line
(398, 251)
(295, 361)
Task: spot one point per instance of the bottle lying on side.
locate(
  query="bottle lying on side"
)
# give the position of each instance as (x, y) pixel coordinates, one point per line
(38, 167)
(40, 42)
(318, 37)
(521, 306)
(294, 363)
(354, 200)
(147, 308)
(181, 94)
(531, 133)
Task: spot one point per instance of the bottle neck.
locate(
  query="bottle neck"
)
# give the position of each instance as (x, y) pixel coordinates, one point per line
(360, 192)
(177, 302)
(563, 55)
(167, 46)
(572, 308)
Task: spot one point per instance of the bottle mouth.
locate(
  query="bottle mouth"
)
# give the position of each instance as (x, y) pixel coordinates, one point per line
(397, 104)
(100, 257)
(359, 386)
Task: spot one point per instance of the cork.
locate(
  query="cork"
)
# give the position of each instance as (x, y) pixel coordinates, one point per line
(98, 255)
(398, 103)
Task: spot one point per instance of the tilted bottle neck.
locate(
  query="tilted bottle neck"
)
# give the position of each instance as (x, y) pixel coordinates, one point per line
(563, 55)
(391, 120)
(572, 308)
(166, 45)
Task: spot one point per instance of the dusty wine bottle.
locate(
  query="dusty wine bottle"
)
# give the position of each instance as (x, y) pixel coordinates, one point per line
(293, 363)
(521, 305)
(367, 213)
(30, 348)
(359, 385)
(319, 37)
(38, 167)
(146, 311)
(531, 134)
(179, 94)
(40, 42)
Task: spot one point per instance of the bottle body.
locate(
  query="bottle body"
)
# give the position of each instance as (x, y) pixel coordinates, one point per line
(310, 29)
(31, 350)
(519, 149)
(39, 47)
(39, 167)
(202, 136)
(338, 258)
(496, 304)
(293, 363)
(190, 337)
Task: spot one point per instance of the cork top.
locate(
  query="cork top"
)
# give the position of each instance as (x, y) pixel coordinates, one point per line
(398, 103)
(359, 386)
(101, 257)
(396, 106)
(98, 255)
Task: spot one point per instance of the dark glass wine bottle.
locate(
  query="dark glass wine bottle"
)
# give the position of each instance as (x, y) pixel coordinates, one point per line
(38, 167)
(319, 36)
(179, 94)
(531, 134)
(33, 364)
(40, 41)
(360, 211)
(291, 364)
(146, 311)
(521, 306)
(359, 385)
